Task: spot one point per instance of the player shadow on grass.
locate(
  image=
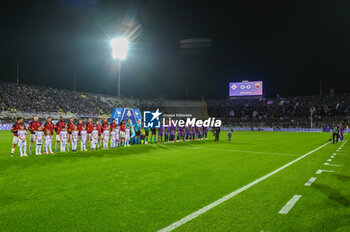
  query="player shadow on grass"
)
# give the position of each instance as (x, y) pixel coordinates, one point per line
(134, 150)
(111, 152)
(342, 177)
(332, 194)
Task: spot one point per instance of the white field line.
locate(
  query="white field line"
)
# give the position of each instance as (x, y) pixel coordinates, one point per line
(329, 160)
(234, 193)
(244, 151)
(309, 182)
(334, 165)
(334, 153)
(319, 171)
(289, 204)
(332, 156)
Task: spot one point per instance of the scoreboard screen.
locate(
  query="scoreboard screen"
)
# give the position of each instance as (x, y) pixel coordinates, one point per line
(251, 88)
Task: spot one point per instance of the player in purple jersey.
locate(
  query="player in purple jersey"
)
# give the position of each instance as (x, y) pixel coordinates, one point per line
(187, 133)
(165, 134)
(200, 133)
(183, 133)
(178, 137)
(160, 134)
(172, 135)
(171, 132)
(205, 132)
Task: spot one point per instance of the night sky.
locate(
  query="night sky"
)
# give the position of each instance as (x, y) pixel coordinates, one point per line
(290, 45)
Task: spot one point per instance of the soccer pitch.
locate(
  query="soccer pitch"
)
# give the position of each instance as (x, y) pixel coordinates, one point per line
(150, 187)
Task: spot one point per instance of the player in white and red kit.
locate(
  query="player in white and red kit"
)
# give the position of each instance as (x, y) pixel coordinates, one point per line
(105, 136)
(22, 142)
(39, 138)
(75, 138)
(94, 138)
(99, 129)
(48, 142)
(70, 128)
(113, 138)
(84, 139)
(33, 128)
(58, 127)
(64, 138)
(14, 129)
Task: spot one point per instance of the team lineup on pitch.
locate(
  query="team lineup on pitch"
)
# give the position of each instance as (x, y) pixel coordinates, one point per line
(190, 194)
(175, 116)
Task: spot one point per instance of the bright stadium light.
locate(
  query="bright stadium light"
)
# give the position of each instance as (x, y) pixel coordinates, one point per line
(120, 48)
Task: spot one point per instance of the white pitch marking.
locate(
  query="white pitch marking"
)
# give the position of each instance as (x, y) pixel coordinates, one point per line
(329, 160)
(289, 204)
(232, 194)
(332, 156)
(334, 165)
(309, 182)
(319, 171)
(334, 153)
(244, 151)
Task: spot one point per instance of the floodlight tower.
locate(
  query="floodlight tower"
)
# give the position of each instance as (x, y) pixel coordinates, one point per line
(120, 48)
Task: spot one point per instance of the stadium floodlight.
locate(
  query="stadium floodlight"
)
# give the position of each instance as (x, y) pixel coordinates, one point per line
(120, 48)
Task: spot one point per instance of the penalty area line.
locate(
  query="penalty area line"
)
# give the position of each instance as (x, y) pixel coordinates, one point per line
(234, 193)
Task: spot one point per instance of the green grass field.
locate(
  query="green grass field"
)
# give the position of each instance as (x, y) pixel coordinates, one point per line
(149, 187)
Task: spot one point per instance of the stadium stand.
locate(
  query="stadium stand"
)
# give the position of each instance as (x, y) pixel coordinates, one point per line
(29, 100)
(282, 112)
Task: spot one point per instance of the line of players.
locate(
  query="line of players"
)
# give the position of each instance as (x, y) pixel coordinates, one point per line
(99, 134)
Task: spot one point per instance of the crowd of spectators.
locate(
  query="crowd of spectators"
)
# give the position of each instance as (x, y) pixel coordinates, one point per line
(278, 111)
(36, 99)
(294, 111)
(27, 98)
